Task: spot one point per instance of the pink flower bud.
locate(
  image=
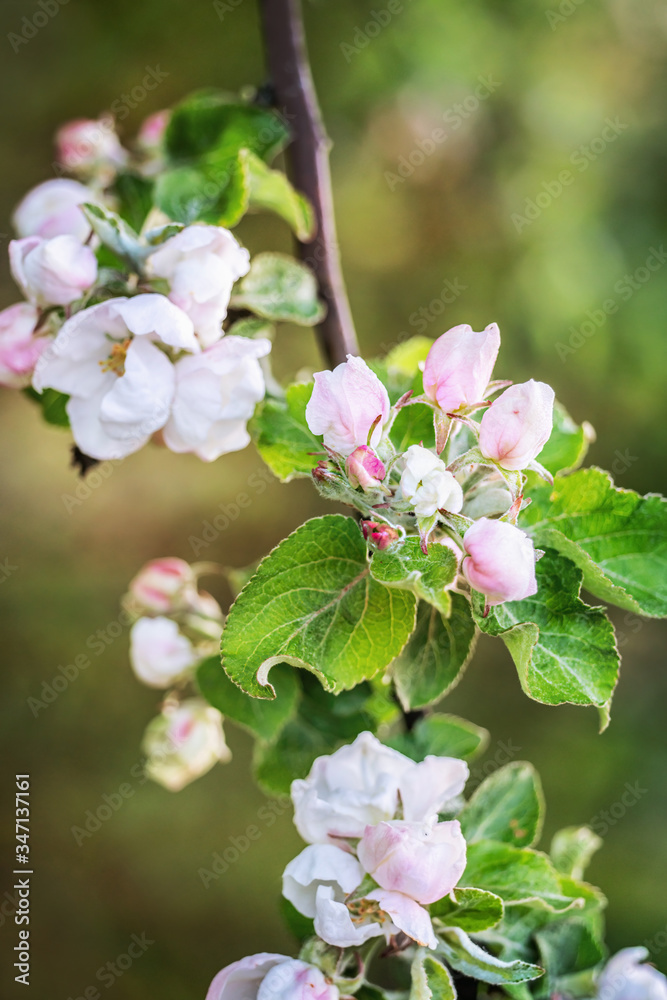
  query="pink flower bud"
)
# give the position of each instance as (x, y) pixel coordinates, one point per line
(380, 534)
(183, 743)
(19, 347)
(271, 977)
(500, 561)
(159, 653)
(84, 146)
(364, 468)
(164, 585)
(52, 272)
(53, 209)
(422, 860)
(345, 405)
(151, 132)
(517, 425)
(459, 366)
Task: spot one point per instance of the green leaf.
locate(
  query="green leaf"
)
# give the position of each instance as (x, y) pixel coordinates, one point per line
(413, 425)
(436, 654)
(251, 326)
(508, 806)
(281, 434)
(472, 960)
(564, 650)
(442, 736)
(116, 234)
(616, 537)
(566, 448)
(566, 948)
(430, 979)
(211, 192)
(270, 189)
(407, 356)
(572, 849)
(472, 910)
(516, 874)
(134, 194)
(313, 603)
(53, 404)
(278, 287)
(324, 721)
(263, 718)
(210, 120)
(404, 565)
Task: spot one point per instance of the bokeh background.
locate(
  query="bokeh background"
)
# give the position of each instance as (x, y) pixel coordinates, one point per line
(522, 90)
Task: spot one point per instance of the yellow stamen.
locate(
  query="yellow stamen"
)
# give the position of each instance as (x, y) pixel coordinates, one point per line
(116, 361)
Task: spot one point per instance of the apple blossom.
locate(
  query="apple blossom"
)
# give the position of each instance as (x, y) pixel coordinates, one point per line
(121, 385)
(201, 264)
(53, 209)
(428, 485)
(499, 561)
(625, 977)
(52, 272)
(164, 585)
(86, 147)
(183, 743)
(517, 425)
(459, 366)
(421, 860)
(159, 653)
(19, 347)
(345, 404)
(151, 131)
(271, 977)
(215, 395)
(382, 535)
(364, 468)
(364, 783)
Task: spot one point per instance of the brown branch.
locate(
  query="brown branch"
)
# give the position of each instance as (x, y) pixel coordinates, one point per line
(288, 64)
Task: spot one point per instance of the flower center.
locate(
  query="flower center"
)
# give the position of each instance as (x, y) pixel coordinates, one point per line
(116, 361)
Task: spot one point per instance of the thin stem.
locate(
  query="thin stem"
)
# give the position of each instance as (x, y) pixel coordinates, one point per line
(308, 153)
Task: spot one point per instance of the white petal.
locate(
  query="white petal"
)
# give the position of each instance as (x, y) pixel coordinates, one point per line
(92, 436)
(138, 403)
(427, 786)
(334, 925)
(409, 916)
(156, 317)
(317, 865)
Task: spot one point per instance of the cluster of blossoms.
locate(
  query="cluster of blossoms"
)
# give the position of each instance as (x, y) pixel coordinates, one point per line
(378, 855)
(139, 348)
(469, 487)
(176, 627)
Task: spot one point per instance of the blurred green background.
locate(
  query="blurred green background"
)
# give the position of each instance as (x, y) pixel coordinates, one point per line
(482, 106)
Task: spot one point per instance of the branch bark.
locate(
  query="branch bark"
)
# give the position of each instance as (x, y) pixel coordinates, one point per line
(308, 155)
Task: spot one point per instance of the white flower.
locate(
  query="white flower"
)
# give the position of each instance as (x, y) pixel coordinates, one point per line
(427, 483)
(215, 396)
(121, 385)
(19, 347)
(318, 883)
(201, 264)
(345, 404)
(159, 653)
(183, 743)
(53, 209)
(271, 977)
(90, 148)
(52, 272)
(363, 783)
(625, 978)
